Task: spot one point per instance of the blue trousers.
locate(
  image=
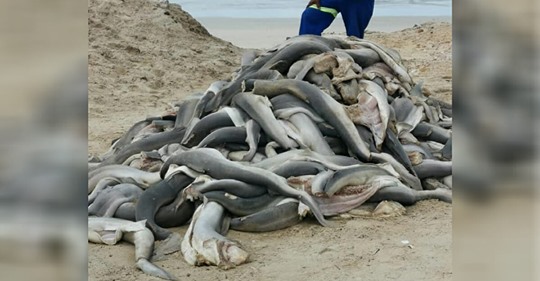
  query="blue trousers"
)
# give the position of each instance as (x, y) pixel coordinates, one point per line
(356, 15)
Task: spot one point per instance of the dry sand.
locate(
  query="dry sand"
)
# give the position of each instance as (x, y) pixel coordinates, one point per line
(144, 56)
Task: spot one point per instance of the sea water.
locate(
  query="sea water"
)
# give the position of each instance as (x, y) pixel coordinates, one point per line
(294, 8)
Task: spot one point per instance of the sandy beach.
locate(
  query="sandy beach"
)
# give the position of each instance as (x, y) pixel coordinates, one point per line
(246, 32)
(144, 57)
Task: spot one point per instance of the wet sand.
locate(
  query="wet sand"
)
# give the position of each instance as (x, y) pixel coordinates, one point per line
(266, 32)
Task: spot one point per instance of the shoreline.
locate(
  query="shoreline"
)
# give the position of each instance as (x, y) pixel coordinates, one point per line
(271, 31)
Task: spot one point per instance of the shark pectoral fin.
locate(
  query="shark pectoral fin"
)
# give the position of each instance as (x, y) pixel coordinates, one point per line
(110, 237)
(153, 270)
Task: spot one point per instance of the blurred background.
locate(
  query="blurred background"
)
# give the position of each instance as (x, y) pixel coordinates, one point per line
(43, 131)
(43, 80)
(495, 96)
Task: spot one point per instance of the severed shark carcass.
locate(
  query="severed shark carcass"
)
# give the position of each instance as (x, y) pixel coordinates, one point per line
(314, 126)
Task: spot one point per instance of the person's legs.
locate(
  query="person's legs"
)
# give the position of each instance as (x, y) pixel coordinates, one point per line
(356, 16)
(315, 21)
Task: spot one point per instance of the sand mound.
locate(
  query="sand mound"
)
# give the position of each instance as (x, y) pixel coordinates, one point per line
(143, 55)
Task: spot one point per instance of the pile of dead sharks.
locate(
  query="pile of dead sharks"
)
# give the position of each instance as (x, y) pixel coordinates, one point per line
(315, 126)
